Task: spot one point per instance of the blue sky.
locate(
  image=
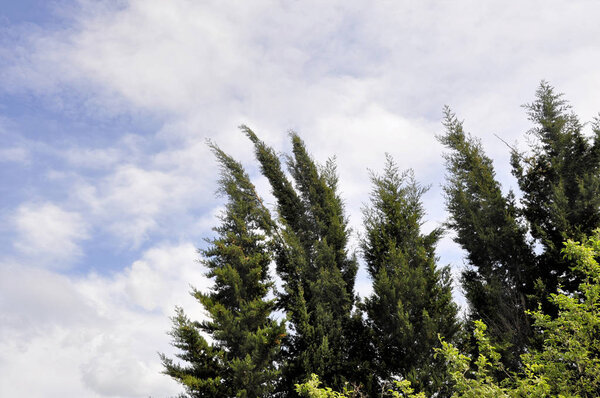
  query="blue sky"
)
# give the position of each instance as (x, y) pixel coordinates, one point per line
(107, 186)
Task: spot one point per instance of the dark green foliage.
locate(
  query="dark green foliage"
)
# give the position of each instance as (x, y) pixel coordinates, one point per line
(568, 361)
(241, 360)
(313, 262)
(513, 261)
(496, 282)
(566, 365)
(412, 300)
(202, 374)
(560, 180)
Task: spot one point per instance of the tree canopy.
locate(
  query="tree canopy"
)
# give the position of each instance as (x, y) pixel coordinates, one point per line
(532, 323)
(566, 365)
(513, 246)
(241, 361)
(411, 302)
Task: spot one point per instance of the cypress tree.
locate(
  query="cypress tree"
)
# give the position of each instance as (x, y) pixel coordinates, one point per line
(499, 257)
(313, 262)
(240, 361)
(411, 302)
(560, 181)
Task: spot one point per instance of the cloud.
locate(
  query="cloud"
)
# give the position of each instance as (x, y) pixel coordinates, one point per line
(134, 202)
(14, 154)
(207, 67)
(49, 234)
(36, 300)
(94, 335)
(93, 158)
(183, 57)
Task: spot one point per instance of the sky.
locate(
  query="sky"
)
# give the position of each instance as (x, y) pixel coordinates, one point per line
(107, 187)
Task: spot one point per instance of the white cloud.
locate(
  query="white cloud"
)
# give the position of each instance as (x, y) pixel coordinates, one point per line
(49, 234)
(93, 158)
(131, 202)
(209, 67)
(14, 154)
(95, 336)
(185, 57)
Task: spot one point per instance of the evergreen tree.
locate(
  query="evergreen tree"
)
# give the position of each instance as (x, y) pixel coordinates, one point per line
(568, 361)
(313, 262)
(497, 280)
(246, 341)
(560, 181)
(566, 365)
(412, 299)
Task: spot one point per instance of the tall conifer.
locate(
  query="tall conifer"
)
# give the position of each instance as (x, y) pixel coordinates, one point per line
(246, 340)
(411, 302)
(500, 259)
(560, 182)
(313, 262)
